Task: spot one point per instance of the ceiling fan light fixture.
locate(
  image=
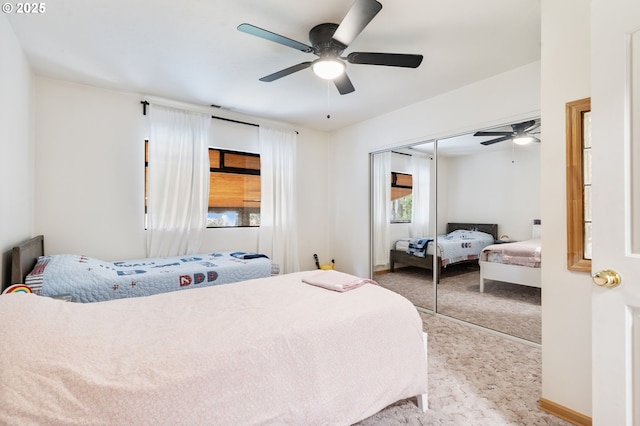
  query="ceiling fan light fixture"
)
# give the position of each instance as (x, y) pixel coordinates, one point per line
(523, 139)
(328, 68)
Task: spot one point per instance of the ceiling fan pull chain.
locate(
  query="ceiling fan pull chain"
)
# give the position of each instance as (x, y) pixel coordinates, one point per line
(328, 99)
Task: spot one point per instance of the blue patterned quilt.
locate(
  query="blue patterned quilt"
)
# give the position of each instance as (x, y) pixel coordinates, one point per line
(454, 247)
(93, 280)
(418, 246)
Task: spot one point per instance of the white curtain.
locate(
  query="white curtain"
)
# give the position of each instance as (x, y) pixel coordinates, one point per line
(178, 192)
(421, 181)
(278, 235)
(381, 207)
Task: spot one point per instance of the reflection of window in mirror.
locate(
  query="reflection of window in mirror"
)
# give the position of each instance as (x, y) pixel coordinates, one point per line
(401, 197)
(578, 125)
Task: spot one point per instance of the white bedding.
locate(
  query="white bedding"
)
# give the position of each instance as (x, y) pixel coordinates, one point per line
(266, 351)
(524, 253)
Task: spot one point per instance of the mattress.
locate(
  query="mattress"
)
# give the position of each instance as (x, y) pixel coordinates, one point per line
(265, 351)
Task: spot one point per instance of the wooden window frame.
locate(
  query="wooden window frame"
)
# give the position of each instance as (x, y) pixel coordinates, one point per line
(575, 112)
(241, 167)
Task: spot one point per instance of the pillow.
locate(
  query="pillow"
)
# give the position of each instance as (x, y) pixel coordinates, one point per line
(465, 234)
(35, 277)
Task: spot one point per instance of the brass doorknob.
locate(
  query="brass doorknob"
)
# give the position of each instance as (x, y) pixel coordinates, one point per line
(607, 278)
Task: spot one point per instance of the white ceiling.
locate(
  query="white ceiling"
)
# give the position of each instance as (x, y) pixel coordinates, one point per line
(191, 51)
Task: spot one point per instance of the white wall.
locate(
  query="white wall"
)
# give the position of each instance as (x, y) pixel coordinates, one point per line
(457, 112)
(89, 170)
(16, 147)
(566, 296)
(90, 177)
(500, 187)
(313, 195)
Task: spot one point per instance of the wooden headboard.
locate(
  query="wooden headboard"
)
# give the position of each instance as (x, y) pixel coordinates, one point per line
(489, 228)
(24, 257)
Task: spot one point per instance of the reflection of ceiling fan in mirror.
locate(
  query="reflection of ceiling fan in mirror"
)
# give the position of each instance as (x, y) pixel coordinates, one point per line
(521, 133)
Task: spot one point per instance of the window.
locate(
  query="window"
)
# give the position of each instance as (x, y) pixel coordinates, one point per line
(234, 188)
(401, 197)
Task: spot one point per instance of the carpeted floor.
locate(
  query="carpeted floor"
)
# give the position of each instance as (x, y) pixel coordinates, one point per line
(475, 378)
(508, 308)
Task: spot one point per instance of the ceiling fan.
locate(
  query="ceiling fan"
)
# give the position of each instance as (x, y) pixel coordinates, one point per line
(520, 134)
(328, 41)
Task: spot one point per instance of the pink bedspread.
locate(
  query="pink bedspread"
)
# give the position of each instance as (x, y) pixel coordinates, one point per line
(523, 253)
(266, 351)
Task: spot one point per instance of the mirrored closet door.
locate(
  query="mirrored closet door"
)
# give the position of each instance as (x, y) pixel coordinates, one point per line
(403, 211)
(479, 194)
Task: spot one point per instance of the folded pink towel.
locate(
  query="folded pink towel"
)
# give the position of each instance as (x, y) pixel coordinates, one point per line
(336, 281)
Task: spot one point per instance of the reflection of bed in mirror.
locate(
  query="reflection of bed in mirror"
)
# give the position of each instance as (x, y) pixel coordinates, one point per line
(400, 252)
(513, 262)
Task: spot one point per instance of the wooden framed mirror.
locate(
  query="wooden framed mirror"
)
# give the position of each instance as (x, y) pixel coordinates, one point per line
(578, 127)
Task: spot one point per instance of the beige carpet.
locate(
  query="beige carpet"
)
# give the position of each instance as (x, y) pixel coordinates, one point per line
(475, 378)
(509, 308)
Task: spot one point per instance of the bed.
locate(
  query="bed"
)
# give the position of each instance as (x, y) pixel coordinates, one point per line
(265, 351)
(86, 279)
(513, 262)
(400, 254)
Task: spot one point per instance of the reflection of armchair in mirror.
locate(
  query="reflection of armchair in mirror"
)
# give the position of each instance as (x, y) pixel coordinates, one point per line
(578, 124)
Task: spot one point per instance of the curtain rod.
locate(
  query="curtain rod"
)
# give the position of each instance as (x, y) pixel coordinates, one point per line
(235, 121)
(240, 122)
(144, 112)
(411, 155)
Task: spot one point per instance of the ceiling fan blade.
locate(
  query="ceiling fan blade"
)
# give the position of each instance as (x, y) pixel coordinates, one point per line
(358, 17)
(285, 72)
(493, 134)
(491, 142)
(343, 84)
(535, 126)
(276, 38)
(524, 126)
(388, 59)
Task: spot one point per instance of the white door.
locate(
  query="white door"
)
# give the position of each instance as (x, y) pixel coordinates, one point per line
(615, 118)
